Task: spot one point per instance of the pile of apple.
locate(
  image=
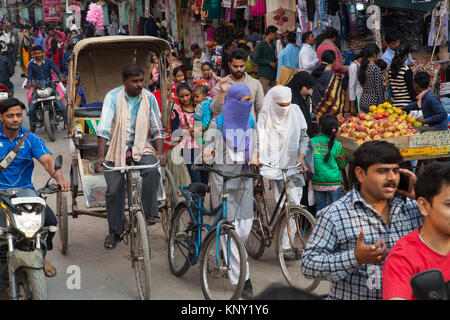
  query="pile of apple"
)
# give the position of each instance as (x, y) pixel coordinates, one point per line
(384, 121)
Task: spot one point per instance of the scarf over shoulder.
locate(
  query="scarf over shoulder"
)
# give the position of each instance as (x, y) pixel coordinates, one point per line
(118, 144)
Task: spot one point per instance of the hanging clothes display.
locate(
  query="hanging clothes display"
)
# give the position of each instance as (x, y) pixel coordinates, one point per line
(283, 19)
(173, 20)
(304, 25)
(212, 8)
(196, 33)
(333, 7)
(259, 9)
(311, 9)
(273, 5)
(211, 37)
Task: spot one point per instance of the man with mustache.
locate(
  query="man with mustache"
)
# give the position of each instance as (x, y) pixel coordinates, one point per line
(352, 236)
(237, 60)
(130, 115)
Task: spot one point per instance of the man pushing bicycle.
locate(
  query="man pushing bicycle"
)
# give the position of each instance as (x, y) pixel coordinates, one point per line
(130, 118)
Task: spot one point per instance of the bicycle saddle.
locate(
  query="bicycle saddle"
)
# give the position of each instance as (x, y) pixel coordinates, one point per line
(199, 189)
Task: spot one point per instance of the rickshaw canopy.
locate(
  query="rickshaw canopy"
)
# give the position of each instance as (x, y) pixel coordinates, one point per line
(99, 61)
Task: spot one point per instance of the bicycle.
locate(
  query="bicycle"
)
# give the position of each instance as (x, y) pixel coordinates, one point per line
(187, 246)
(136, 228)
(268, 228)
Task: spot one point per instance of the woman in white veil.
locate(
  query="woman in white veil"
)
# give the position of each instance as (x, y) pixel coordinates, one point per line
(282, 142)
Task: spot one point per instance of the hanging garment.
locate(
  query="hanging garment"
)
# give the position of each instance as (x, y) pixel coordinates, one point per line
(211, 37)
(259, 10)
(333, 7)
(283, 19)
(152, 27)
(303, 25)
(226, 3)
(212, 7)
(311, 9)
(240, 4)
(273, 5)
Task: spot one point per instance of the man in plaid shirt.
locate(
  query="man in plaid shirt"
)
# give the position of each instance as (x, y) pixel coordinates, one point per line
(353, 235)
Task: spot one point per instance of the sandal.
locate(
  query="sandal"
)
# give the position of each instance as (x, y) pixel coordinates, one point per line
(111, 241)
(49, 269)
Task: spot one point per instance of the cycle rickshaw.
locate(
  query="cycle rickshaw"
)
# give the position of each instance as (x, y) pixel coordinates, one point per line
(96, 65)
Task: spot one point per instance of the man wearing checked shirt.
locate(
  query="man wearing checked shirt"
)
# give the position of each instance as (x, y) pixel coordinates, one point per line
(353, 235)
(133, 94)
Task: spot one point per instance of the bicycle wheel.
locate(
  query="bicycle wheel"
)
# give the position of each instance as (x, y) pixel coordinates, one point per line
(181, 240)
(140, 255)
(170, 202)
(254, 243)
(222, 281)
(291, 240)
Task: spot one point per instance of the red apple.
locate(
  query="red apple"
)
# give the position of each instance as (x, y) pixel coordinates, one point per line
(381, 130)
(361, 115)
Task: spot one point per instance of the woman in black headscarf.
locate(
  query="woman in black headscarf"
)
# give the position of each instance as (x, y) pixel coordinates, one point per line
(301, 86)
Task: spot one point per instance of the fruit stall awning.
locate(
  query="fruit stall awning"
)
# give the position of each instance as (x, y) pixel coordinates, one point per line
(417, 5)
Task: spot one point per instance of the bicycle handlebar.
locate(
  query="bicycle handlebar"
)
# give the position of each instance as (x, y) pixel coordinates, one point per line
(220, 173)
(287, 168)
(127, 168)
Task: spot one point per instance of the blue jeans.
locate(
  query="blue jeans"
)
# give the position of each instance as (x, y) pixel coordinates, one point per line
(322, 197)
(198, 176)
(58, 107)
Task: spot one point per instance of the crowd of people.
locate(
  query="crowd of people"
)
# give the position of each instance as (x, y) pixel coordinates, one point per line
(238, 114)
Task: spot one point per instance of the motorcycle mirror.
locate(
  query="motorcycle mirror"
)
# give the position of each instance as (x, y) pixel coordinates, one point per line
(429, 285)
(58, 162)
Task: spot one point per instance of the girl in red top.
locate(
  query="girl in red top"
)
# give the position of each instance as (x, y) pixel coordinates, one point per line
(182, 126)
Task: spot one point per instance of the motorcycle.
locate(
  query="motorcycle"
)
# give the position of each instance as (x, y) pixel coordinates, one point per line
(23, 238)
(5, 93)
(430, 285)
(46, 114)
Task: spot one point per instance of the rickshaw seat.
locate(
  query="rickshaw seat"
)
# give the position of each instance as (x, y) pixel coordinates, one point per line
(95, 112)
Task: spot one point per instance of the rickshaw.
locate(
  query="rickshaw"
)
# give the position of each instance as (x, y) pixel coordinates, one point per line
(96, 65)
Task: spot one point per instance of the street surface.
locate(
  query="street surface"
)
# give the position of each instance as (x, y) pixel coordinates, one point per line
(107, 275)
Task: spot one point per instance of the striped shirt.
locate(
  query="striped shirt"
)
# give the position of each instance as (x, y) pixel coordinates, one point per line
(330, 252)
(133, 103)
(402, 87)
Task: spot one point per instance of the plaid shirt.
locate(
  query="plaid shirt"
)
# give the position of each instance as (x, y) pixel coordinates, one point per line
(330, 252)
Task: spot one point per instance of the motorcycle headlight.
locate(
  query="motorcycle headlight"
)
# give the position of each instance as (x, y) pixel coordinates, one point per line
(28, 217)
(28, 223)
(44, 93)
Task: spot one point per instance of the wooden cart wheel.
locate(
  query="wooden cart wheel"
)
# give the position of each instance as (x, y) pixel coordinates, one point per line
(63, 226)
(171, 202)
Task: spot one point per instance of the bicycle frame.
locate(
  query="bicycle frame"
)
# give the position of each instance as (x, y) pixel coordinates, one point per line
(196, 202)
(285, 194)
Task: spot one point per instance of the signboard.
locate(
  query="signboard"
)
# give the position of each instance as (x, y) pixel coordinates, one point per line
(51, 10)
(445, 88)
(430, 139)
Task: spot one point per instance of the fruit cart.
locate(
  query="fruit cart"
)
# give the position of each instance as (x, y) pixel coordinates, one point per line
(420, 146)
(392, 125)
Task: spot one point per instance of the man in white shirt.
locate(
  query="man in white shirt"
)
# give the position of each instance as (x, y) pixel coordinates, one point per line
(5, 41)
(308, 59)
